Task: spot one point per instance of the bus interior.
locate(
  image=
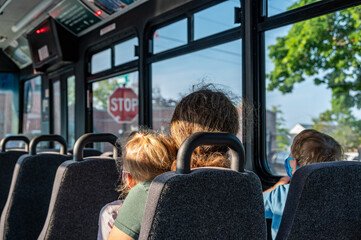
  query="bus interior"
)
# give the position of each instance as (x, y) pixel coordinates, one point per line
(70, 67)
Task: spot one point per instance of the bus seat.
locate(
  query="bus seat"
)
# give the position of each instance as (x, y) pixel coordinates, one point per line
(25, 211)
(323, 202)
(205, 203)
(8, 159)
(81, 188)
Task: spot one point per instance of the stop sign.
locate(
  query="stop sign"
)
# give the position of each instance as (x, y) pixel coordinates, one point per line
(123, 105)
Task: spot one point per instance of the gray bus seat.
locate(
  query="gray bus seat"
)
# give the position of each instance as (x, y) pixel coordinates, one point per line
(81, 188)
(205, 203)
(25, 211)
(8, 159)
(323, 202)
(88, 152)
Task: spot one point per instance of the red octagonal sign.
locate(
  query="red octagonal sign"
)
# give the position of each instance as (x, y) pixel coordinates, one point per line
(123, 105)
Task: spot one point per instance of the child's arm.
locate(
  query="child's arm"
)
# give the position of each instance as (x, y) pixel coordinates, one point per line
(283, 180)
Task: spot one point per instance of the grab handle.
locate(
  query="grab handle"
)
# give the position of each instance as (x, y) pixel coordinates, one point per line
(91, 138)
(5, 140)
(48, 138)
(206, 138)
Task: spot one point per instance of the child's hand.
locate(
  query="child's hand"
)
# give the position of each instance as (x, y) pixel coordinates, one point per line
(284, 180)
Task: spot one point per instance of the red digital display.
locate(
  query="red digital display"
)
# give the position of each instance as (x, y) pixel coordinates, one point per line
(42, 30)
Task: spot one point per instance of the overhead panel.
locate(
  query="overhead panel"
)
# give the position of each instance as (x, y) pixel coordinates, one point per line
(74, 16)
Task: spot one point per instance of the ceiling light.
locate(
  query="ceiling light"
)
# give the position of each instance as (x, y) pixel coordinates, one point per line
(4, 5)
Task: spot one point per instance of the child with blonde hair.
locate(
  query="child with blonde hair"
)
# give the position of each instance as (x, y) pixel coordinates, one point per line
(145, 155)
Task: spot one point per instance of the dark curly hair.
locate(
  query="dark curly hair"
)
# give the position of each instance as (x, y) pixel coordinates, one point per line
(205, 110)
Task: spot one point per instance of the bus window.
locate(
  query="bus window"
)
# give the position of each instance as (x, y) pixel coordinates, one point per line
(115, 106)
(313, 82)
(101, 61)
(174, 78)
(279, 6)
(32, 107)
(217, 19)
(71, 110)
(56, 107)
(124, 52)
(171, 36)
(8, 106)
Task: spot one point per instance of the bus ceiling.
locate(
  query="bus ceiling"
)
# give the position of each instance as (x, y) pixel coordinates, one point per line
(18, 18)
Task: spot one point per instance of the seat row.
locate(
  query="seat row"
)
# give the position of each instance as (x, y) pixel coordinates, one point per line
(58, 196)
(48, 194)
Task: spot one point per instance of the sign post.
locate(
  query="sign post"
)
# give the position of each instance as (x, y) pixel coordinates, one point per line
(123, 105)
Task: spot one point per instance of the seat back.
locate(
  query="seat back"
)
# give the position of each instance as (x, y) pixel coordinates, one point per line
(323, 202)
(25, 211)
(82, 187)
(205, 203)
(88, 152)
(8, 160)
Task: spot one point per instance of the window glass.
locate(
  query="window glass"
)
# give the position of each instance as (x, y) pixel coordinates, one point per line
(56, 107)
(171, 36)
(215, 19)
(8, 108)
(280, 6)
(71, 110)
(101, 61)
(175, 77)
(115, 106)
(124, 52)
(32, 107)
(313, 81)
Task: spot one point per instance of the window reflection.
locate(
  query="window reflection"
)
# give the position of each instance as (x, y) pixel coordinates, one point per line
(32, 107)
(56, 107)
(71, 110)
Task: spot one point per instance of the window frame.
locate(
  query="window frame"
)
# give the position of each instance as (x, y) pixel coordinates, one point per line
(262, 24)
(121, 69)
(191, 46)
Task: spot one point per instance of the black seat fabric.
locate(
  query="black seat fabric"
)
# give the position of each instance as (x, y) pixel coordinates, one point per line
(7, 164)
(324, 202)
(81, 189)
(208, 203)
(25, 211)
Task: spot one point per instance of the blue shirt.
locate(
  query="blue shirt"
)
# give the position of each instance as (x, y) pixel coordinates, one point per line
(274, 203)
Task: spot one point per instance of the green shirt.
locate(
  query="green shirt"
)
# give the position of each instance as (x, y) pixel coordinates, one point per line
(130, 215)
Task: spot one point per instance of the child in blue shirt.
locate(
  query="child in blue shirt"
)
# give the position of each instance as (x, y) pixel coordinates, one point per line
(309, 146)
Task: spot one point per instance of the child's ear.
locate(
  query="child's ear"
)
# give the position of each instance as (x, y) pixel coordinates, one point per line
(130, 181)
(293, 165)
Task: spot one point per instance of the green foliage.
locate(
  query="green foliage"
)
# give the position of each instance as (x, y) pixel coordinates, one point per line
(327, 50)
(101, 92)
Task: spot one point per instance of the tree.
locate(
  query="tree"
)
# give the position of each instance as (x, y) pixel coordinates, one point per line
(327, 50)
(102, 90)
